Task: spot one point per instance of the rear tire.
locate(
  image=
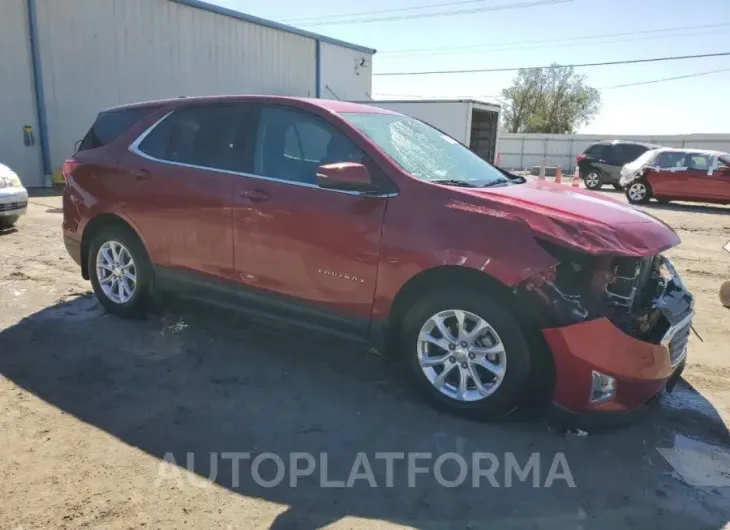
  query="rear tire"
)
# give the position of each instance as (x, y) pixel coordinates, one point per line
(498, 355)
(121, 272)
(638, 192)
(593, 180)
(8, 221)
(725, 294)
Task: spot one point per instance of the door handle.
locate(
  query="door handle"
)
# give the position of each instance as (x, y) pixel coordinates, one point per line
(255, 195)
(141, 174)
(602, 161)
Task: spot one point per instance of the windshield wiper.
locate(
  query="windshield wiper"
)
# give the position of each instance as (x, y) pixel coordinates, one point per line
(496, 183)
(454, 182)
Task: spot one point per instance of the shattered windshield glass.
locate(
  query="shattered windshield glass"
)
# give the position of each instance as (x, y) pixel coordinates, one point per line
(425, 152)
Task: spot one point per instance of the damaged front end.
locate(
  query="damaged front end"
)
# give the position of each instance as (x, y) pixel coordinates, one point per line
(635, 170)
(615, 317)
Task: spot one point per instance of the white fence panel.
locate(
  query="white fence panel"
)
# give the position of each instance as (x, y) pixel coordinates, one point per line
(523, 151)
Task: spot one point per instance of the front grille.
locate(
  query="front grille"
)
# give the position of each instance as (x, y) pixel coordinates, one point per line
(630, 278)
(12, 206)
(648, 301)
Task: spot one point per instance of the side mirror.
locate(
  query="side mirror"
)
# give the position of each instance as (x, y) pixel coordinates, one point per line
(347, 176)
(724, 171)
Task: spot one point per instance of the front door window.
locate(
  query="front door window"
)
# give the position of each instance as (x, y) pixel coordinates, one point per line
(291, 145)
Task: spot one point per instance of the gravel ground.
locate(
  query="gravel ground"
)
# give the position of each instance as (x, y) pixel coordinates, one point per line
(95, 409)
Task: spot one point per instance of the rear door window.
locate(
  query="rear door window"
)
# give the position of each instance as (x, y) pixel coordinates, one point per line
(110, 124)
(211, 136)
(630, 152)
(698, 161)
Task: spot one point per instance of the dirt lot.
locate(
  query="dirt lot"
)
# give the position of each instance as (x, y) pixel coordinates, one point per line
(93, 405)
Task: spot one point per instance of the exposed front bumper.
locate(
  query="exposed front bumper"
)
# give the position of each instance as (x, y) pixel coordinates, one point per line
(73, 247)
(13, 201)
(641, 369)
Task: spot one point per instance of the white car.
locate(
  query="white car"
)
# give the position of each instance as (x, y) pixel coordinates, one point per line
(13, 197)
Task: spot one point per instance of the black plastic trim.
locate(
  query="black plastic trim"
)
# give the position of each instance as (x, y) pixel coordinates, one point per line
(259, 304)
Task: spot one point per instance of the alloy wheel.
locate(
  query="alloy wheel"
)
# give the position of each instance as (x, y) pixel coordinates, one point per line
(116, 272)
(637, 191)
(592, 180)
(461, 355)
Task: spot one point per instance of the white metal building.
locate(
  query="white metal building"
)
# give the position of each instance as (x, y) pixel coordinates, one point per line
(473, 123)
(64, 61)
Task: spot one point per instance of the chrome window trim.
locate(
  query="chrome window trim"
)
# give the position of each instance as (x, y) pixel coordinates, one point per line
(669, 335)
(134, 148)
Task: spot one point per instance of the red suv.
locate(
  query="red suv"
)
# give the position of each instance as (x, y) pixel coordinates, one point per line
(361, 222)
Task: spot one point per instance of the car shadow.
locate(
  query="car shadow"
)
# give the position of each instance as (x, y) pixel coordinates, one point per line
(188, 380)
(8, 231)
(692, 207)
(610, 189)
(689, 207)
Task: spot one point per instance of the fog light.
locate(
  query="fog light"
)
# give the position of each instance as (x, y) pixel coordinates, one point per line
(603, 388)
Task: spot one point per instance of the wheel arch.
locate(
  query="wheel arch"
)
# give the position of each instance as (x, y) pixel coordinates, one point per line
(428, 280)
(93, 227)
(649, 189)
(384, 336)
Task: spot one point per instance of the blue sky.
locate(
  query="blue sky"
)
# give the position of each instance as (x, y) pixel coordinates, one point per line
(695, 105)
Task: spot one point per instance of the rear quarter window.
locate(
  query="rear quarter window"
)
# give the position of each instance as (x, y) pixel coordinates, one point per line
(110, 124)
(596, 151)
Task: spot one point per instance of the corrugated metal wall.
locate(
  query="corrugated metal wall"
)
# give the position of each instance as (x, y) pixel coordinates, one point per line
(522, 151)
(17, 97)
(100, 53)
(341, 75)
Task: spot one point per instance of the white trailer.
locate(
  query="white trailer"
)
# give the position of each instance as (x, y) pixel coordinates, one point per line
(473, 123)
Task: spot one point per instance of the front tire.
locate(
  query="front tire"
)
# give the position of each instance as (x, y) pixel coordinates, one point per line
(120, 272)
(638, 192)
(593, 180)
(466, 353)
(8, 221)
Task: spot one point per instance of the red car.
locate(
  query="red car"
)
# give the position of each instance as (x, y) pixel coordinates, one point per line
(678, 174)
(491, 290)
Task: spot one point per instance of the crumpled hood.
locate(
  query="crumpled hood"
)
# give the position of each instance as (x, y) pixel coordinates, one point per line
(634, 169)
(577, 218)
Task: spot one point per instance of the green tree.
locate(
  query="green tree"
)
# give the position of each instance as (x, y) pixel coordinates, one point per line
(549, 100)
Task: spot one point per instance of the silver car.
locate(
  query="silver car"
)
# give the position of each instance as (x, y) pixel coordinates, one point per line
(13, 197)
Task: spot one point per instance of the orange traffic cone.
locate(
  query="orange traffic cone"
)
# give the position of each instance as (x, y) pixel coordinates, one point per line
(558, 176)
(576, 177)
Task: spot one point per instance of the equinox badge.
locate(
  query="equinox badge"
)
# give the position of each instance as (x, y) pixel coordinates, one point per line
(327, 272)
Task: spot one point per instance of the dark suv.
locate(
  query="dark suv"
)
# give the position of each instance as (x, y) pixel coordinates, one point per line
(364, 223)
(601, 163)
